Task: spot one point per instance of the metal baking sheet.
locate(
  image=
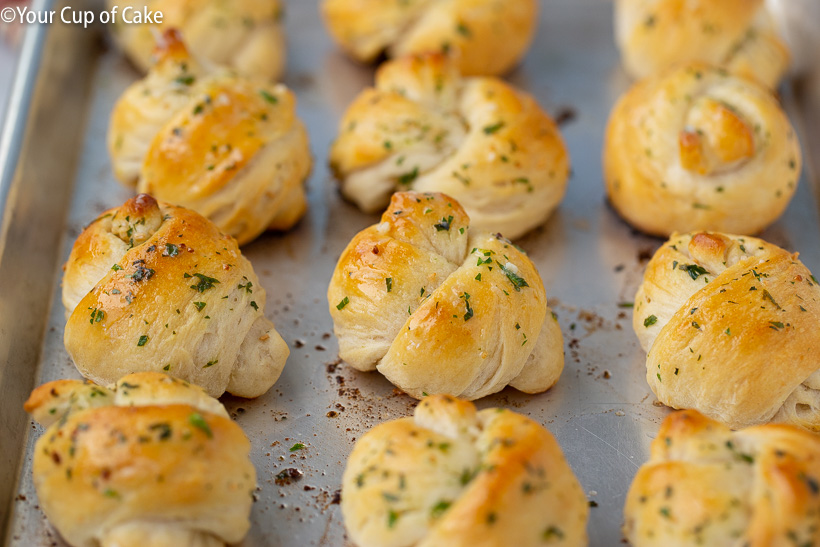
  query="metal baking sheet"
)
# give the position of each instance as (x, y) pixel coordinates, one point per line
(601, 410)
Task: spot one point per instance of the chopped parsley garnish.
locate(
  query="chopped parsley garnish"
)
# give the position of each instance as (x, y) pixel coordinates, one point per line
(469, 314)
(444, 225)
(116, 267)
(204, 282)
(440, 508)
(776, 325)
(247, 286)
(196, 420)
(272, 99)
(199, 305)
(768, 296)
(163, 428)
(649, 321)
(143, 340)
(392, 517)
(389, 282)
(185, 79)
(553, 532)
(171, 250)
(297, 446)
(345, 301)
(514, 278)
(97, 315)
(693, 270)
(211, 363)
(254, 305)
(407, 178)
(490, 129)
(141, 273)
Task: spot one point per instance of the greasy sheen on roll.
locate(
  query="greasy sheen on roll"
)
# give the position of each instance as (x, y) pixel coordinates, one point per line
(229, 147)
(706, 485)
(438, 307)
(155, 461)
(700, 149)
(245, 35)
(738, 35)
(453, 476)
(423, 127)
(484, 37)
(154, 287)
(731, 326)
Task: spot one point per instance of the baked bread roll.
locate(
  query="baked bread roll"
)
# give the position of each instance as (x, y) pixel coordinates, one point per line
(439, 308)
(246, 35)
(154, 287)
(424, 127)
(738, 35)
(706, 485)
(731, 326)
(484, 37)
(699, 149)
(228, 147)
(158, 462)
(456, 477)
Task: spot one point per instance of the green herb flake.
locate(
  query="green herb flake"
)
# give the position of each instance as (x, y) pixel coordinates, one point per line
(649, 321)
(389, 282)
(199, 305)
(254, 305)
(408, 178)
(553, 532)
(297, 446)
(694, 270)
(196, 420)
(490, 129)
(768, 296)
(163, 429)
(516, 280)
(171, 250)
(444, 225)
(345, 301)
(143, 340)
(469, 314)
(272, 99)
(440, 508)
(392, 518)
(204, 282)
